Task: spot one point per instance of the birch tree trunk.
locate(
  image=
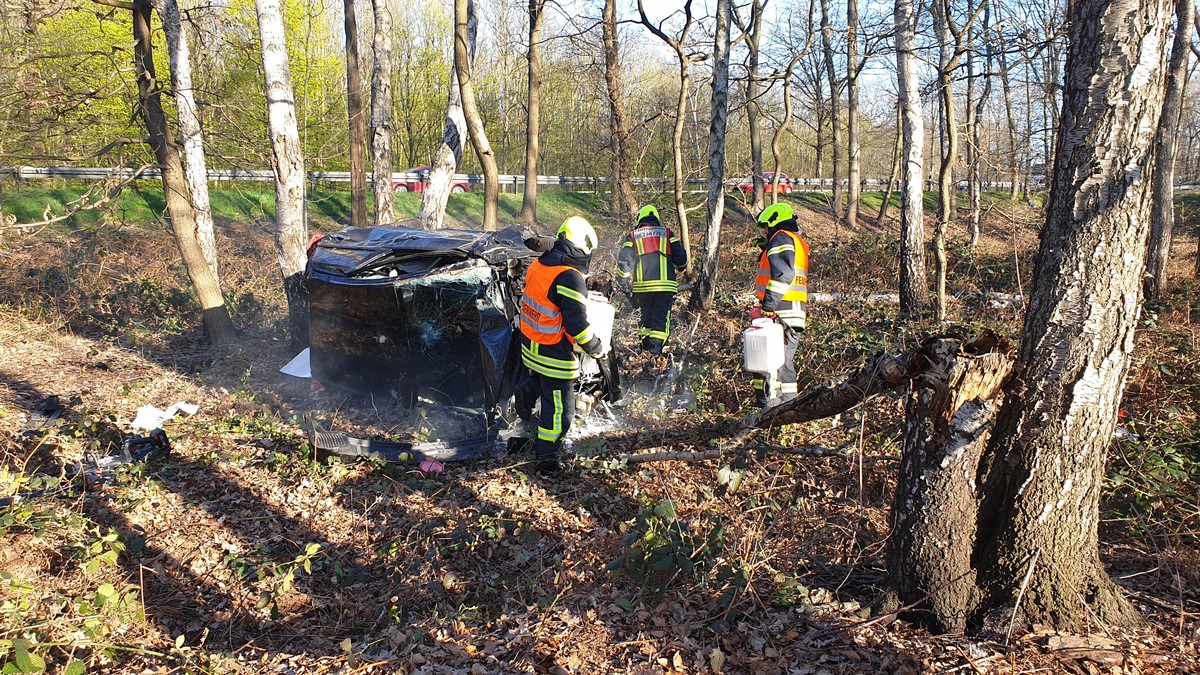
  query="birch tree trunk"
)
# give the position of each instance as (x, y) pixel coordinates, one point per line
(190, 132)
(705, 289)
(358, 122)
(1052, 436)
(913, 288)
(835, 122)
(1162, 214)
(381, 114)
(291, 230)
(182, 217)
(853, 170)
(624, 201)
(1017, 535)
(463, 11)
(449, 153)
(533, 121)
(681, 108)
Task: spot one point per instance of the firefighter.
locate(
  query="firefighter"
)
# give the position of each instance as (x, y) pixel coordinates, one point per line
(646, 265)
(782, 292)
(554, 320)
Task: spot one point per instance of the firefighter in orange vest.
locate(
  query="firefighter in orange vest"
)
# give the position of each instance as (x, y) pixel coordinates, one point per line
(647, 264)
(554, 320)
(782, 292)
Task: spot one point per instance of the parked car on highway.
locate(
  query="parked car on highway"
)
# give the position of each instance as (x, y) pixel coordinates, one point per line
(747, 186)
(419, 184)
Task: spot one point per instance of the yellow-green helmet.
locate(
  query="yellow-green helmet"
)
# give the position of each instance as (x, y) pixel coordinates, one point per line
(580, 233)
(775, 214)
(649, 211)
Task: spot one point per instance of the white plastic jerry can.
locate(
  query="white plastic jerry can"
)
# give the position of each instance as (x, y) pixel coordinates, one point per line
(762, 347)
(601, 317)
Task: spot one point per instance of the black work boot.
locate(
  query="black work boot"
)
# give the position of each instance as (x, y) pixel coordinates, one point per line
(546, 454)
(653, 345)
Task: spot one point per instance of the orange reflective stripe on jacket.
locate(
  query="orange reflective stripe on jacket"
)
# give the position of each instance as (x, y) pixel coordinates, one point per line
(794, 289)
(541, 320)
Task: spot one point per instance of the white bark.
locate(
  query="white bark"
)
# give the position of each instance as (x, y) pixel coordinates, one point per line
(913, 289)
(705, 288)
(449, 154)
(291, 232)
(191, 135)
(381, 114)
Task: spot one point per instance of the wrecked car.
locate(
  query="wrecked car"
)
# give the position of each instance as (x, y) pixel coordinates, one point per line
(426, 318)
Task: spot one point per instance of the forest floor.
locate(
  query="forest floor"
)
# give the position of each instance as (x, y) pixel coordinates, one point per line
(242, 553)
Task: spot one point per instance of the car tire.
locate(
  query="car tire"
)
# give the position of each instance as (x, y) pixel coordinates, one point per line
(401, 188)
(458, 189)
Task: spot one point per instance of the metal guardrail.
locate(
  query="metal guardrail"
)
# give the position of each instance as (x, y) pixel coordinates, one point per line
(516, 180)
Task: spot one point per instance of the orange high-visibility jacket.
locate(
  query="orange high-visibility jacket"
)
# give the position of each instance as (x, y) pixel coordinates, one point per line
(553, 317)
(782, 283)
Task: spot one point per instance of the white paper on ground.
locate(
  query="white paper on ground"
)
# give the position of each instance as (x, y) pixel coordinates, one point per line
(298, 366)
(149, 417)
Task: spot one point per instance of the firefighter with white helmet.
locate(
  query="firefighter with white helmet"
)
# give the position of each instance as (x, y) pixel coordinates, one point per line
(554, 320)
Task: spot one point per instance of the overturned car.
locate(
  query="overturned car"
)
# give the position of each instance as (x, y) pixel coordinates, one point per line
(426, 318)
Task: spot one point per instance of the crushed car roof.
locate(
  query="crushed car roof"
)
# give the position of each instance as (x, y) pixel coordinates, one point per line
(355, 251)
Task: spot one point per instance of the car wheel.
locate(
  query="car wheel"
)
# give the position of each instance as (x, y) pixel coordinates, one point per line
(401, 188)
(457, 189)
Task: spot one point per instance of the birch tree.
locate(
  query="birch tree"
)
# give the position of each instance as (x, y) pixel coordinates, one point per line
(180, 213)
(1007, 524)
(381, 114)
(449, 153)
(1162, 214)
(291, 231)
(704, 291)
(191, 135)
(913, 289)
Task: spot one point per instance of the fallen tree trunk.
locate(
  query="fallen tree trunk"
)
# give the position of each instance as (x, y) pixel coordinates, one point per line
(881, 374)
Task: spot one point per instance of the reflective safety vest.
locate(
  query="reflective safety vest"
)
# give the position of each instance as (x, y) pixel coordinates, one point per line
(541, 320)
(793, 292)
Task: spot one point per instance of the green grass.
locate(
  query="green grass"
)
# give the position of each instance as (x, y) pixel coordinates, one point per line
(466, 209)
(327, 209)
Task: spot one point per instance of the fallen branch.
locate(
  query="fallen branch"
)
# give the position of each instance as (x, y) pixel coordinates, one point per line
(881, 374)
(714, 453)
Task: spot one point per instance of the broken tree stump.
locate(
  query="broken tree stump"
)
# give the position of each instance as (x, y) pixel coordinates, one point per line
(948, 417)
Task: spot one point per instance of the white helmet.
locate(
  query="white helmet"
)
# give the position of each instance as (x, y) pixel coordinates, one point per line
(580, 233)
